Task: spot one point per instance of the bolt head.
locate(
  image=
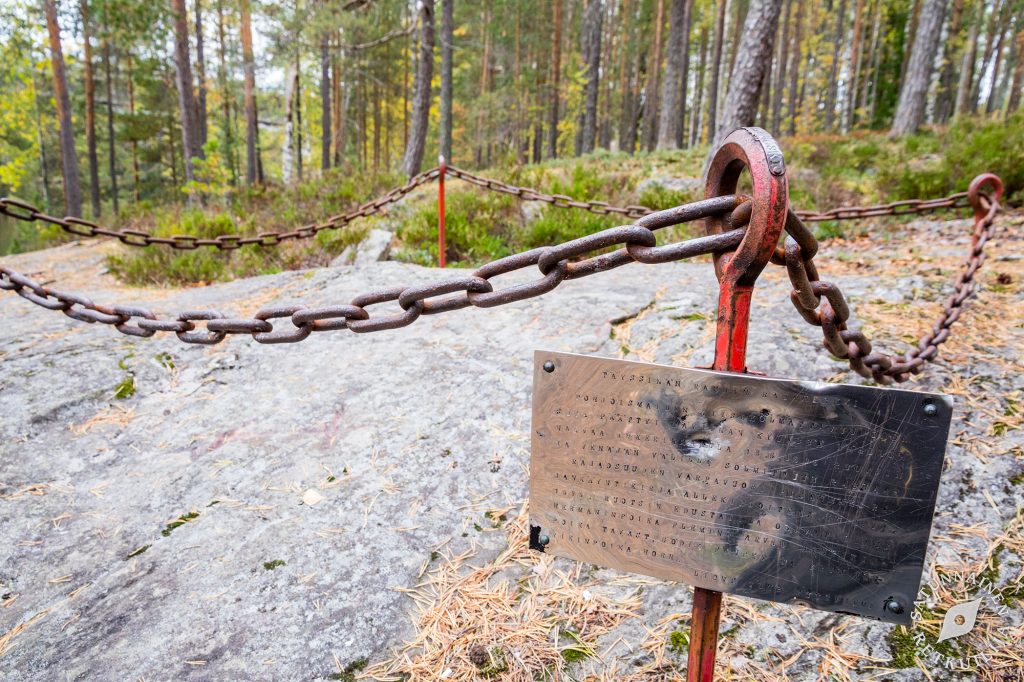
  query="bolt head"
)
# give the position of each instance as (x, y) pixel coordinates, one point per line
(931, 409)
(893, 606)
(543, 540)
(549, 367)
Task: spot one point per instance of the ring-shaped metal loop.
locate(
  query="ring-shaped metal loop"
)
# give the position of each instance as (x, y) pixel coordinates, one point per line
(421, 292)
(975, 195)
(755, 150)
(298, 334)
(625, 234)
(328, 318)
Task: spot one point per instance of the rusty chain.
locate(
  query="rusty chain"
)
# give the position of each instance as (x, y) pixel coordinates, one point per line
(819, 302)
(556, 264)
(22, 210)
(823, 304)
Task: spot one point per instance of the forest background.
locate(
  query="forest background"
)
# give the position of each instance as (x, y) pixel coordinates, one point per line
(193, 117)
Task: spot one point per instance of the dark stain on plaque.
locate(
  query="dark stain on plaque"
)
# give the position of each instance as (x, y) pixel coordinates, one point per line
(795, 492)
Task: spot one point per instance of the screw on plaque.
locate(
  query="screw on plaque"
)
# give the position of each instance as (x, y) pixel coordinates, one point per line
(893, 606)
(538, 540)
(931, 409)
(549, 367)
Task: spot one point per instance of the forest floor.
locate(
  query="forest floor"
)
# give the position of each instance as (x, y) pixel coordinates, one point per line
(356, 505)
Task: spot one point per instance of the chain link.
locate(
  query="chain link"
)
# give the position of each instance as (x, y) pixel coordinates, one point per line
(823, 304)
(819, 302)
(636, 242)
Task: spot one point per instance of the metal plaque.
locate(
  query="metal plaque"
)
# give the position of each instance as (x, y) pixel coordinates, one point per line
(792, 491)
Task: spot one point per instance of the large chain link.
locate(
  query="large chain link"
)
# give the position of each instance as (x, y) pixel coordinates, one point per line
(555, 263)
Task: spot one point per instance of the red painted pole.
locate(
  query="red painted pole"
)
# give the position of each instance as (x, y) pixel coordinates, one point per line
(441, 244)
(755, 150)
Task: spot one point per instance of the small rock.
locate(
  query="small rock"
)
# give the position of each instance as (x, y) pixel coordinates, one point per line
(376, 247)
(312, 497)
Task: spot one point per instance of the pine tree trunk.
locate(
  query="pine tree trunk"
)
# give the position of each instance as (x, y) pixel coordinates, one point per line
(44, 165)
(252, 171)
(447, 30)
(112, 155)
(855, 59)
(755, 48)
(200, 77)
(910, 109)
(908, 40)
(186, 101)
(68, 156)
(987, 56)
(1013, 102)
(556, 73)
(945, 97)
(337, 111)
(965, 84)
(993, 93)
(716, 69)
(782, 60)
(325, 101)
(672, 97)
(697, 111)
(134, 142)
(413, 160)
(225, 95)
(592, 26)
(796, 66)
(90, 113)
(833, 81)
(653, 88)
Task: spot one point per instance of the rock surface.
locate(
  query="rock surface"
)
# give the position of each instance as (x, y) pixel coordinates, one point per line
(375, 247)
(250, 511)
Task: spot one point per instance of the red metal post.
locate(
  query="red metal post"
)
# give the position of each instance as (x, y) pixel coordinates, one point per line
(441, 245)
(752, 149)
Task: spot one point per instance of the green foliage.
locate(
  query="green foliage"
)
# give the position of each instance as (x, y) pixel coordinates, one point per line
(271, 565)
(478, 227)
(679, 641)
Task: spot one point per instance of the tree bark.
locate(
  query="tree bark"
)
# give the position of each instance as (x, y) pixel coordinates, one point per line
(201, 120)
(325, 101)
(112, 155)
(447, 30)
(781, 61)
(413, 160)
(90, 113)
(252, 173)
(756, 43)
(795, 67)
(697, 112)
(673, 97)
(716, 70)
(592, 26)
(190, 141)
(965, 84)
(994, 24)
(556, 73)
(993, 93)
(68, 156)
(134, 143)
(945, 97)
(910, 109)
(833, 81)
(653, 88)
(1013, 101)
(855, 63)
(225, 94)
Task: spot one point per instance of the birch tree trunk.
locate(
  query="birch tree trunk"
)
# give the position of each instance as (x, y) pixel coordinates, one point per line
(556, 72)
(325, 101)
(755, 48)
(833, 81)
(68, 156)
(910, 109)
(413, 160)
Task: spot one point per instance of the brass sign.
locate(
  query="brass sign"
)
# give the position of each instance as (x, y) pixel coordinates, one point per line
(791, 491)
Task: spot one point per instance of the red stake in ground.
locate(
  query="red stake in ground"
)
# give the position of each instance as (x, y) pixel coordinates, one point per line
(750, 149)
(441, 246)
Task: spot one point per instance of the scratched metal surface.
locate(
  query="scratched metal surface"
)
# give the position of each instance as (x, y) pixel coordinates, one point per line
(791, 491)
